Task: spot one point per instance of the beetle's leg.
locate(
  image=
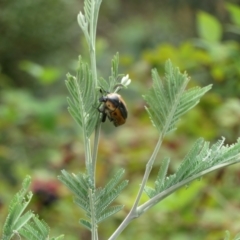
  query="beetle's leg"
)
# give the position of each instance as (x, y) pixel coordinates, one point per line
(104, 116)
(109, 115)
(110, 119)
(101, 110)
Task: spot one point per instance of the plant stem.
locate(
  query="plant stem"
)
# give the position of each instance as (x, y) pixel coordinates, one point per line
(151, 202)
(93, 64)
(148, 169)
(95, 6)
(93, 220)
(133, 212)
(95, 150)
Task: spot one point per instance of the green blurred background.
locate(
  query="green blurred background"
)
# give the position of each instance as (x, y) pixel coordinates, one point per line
(40, 42)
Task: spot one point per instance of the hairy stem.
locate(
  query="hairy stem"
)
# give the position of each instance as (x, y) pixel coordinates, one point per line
(133, 212)
(153, 201)
(93, 214)
(95, 6)
(95, 149)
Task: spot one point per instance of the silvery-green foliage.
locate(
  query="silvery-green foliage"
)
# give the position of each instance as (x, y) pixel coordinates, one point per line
(83, 102)
(26, 224)
(116, 81)
(228, 236)
(16, 218)
(37, 229)
(94, 201)
(168, 99)
(200, 160)
(88, 20)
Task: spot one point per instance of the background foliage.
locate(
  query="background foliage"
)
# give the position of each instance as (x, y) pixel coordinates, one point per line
(40, 41)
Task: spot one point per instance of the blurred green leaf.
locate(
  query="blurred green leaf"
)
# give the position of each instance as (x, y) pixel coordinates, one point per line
(228, 114)
(234, 11)
(45, 75)
(227, 235)
(209, 28)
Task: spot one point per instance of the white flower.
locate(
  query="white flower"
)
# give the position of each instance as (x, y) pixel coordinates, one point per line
(125, 80)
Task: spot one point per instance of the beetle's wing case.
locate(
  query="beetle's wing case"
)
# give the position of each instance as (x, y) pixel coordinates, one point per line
(116, 117)
(118, 102)
(114, 98)
(122, 107)
(114, 108)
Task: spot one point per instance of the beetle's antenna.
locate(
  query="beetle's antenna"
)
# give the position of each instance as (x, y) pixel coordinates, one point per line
(103, 91)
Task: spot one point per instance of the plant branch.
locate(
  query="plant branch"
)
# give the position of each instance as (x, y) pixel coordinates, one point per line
(95, 149)
(153, 201)
(88, 24)
(93, 215)
(133, 212)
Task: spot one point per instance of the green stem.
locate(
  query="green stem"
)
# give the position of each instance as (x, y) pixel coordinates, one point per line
(93, 65)
(95, 150)
(153, 201)
(95, 6)
(133, 212)
(92, 51)
(88, 156)
(147, 173)
(93, 220)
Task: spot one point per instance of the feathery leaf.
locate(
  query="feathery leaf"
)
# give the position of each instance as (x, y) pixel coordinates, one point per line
(86, 224)
(16, 219)
(108, 198)
(150, 191)
(162, 174)
(200, 158)
(82, 104)
(88, 8)
(168, 99)
(109, 212)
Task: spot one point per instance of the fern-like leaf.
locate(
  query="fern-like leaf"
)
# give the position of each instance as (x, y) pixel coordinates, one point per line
(41, 225)
(160, 180)
(34, 232)
(23, 220)
(109, 212)
(86, 224)
(76, 184)
(24, 224)
(84, 204)
(114, 79)
(108, 198)
(229, 153)
(111, 184)
(37, 230)
(83, 103)
(162, 174)
(200, 158)
(150, 191)
(82, 188)
(168, 99)
(188, 163)
(16, 219)
(88, 8)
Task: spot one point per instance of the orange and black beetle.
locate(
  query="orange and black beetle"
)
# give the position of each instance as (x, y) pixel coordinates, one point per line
(114, 108)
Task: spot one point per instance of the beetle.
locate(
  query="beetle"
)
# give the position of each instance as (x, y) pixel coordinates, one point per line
(114, 108)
